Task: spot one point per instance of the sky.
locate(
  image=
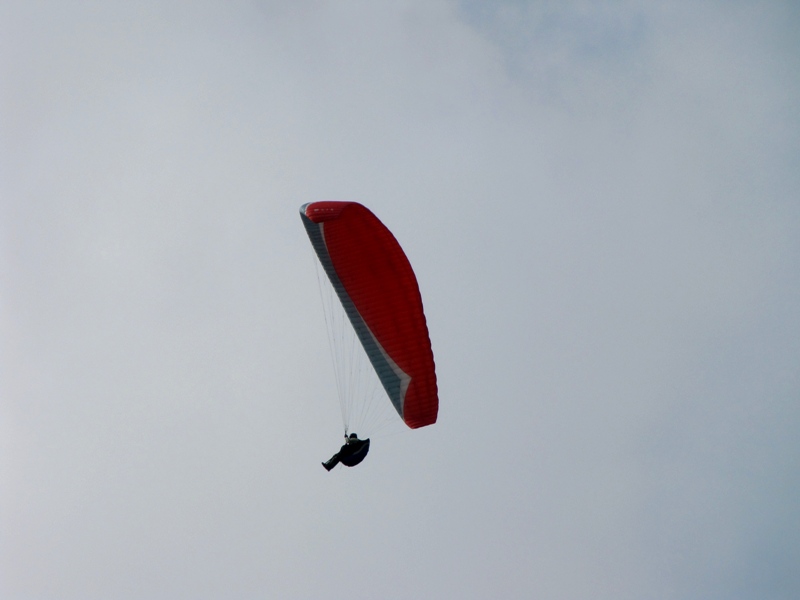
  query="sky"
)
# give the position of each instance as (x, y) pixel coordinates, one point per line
(601, 202)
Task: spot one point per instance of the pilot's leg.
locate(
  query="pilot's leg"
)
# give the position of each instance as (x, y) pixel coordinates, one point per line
(332, 462)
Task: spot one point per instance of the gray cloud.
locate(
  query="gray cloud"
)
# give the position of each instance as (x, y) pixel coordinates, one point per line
(600, 202)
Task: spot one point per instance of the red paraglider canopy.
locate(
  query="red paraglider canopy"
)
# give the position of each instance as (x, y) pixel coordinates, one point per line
(378, 290)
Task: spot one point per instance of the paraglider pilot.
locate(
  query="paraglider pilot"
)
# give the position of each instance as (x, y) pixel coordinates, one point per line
(351, 453)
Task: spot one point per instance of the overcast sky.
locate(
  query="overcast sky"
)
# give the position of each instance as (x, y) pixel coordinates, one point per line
(601, 201)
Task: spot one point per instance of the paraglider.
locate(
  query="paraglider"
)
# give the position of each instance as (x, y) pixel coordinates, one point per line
(378, 291)
(351, 453)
